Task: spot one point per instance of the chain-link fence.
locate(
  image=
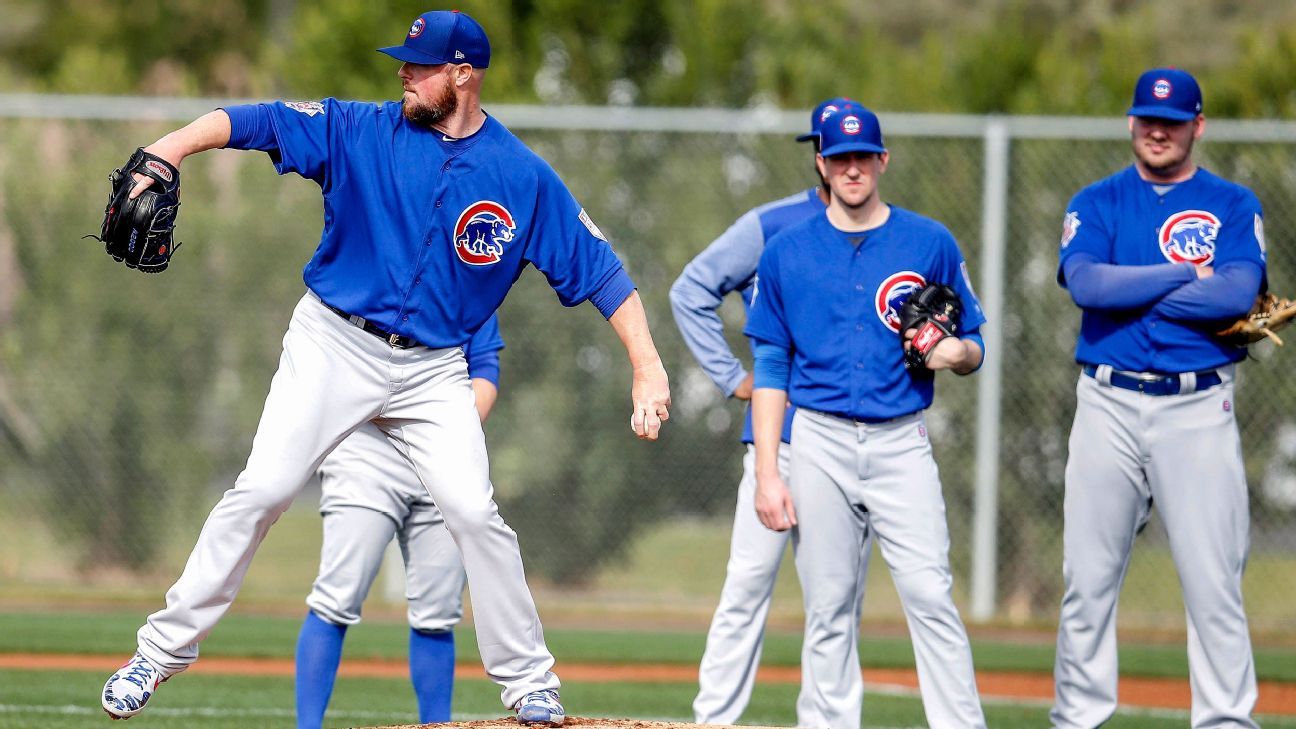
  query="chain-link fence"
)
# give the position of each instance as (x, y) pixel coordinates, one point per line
(127, 402)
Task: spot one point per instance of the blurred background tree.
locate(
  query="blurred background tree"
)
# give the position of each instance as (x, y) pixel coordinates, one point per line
(979, 56)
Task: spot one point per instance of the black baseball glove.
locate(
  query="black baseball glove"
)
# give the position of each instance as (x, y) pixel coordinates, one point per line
(936, 312)
(138, 232)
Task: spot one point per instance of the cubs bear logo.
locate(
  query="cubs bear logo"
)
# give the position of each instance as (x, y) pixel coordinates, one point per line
(1189, 237)
(827, 112)
(309, 108)
(416, 29)
(851, 125)
(1162, 88)
(481, 232)
(893, 293)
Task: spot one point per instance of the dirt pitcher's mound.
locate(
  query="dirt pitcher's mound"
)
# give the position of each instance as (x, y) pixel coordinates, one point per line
(509, 722)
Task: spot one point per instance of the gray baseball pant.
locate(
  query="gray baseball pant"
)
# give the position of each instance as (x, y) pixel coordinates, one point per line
(333, 377)
(727, 674)
(1183, 453)
(847, 478)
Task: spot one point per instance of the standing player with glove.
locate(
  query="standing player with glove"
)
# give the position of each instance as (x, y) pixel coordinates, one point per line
(733, 647)
(1158, 257)
(825, 317)
(432, 210)
(368, 495)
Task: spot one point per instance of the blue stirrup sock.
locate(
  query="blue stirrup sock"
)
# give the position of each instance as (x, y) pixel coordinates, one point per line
(319, 651)
(432, 665)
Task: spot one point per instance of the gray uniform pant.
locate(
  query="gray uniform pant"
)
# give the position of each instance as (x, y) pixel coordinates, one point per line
(733, 647)
(848, 478)
(333, 377)
(370, 495)
(1183, 453)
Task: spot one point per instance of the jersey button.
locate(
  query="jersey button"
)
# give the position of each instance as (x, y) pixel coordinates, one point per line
(859, 327)
(859, 287)
(438, 203)
(405, 318)
(859, 365)
(446, 166)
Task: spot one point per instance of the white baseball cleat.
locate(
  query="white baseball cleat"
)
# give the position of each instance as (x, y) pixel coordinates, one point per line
(541, 707)
(129, 689)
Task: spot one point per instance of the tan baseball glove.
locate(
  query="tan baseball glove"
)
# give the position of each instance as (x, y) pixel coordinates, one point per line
(1269, 314)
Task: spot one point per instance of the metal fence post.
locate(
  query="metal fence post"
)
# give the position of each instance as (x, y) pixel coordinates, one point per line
(994, 219)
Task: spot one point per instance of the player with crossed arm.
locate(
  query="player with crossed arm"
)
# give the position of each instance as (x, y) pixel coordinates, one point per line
(369, 495)
(733, 648)
(825, 317)
(432, 210)
(1156, 257)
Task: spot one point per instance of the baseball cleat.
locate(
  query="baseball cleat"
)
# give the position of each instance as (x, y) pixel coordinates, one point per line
(541, 707)
(129, 689)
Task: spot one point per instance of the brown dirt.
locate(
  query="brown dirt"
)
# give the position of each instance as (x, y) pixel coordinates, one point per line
(1275, 697)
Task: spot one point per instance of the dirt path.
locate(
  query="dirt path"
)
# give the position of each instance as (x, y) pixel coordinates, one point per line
(1275, 697)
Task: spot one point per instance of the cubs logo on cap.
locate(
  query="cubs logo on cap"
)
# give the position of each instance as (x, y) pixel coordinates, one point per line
(443, 36)
(893, 293)
(481, 232)
(1166, 93)
(1189, 237)
(852, 129)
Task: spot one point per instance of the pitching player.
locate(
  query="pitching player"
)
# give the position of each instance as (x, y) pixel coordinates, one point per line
(733, 648)
(369, 495)
(432, 208)
(825, 321)
(1155, 256)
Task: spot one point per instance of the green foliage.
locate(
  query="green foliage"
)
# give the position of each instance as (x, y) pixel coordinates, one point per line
(1002, 56)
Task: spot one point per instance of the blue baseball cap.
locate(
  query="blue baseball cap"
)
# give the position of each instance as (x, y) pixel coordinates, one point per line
(824, 110)
(852, 129)
(443, 36)
(1167, 93)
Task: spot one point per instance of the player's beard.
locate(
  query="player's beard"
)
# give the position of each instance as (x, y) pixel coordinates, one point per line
(429, 115)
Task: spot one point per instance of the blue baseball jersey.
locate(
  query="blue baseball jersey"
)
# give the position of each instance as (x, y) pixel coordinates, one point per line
(728, 265)
(833, 299)
(482, 351)
(1127, 221)
(424, 234)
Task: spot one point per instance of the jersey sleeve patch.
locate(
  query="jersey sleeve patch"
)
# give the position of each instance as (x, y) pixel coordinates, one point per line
(590, 226)
(309, 108)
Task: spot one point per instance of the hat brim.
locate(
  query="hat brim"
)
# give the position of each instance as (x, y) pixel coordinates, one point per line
(807, 137)
(848, 147)
(409, 55)
(1162, 112)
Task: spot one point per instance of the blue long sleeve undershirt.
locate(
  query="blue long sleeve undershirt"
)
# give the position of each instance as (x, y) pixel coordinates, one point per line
(1097, 285)
(1227, 294)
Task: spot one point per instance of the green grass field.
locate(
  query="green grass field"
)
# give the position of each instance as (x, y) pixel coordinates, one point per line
(49, 698)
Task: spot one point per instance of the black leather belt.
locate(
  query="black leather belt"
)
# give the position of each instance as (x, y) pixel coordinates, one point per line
(1154, 384)
(399, 341)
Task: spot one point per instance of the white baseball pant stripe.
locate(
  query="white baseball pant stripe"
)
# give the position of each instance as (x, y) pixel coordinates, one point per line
(1182, 453)
(848, 478)
(727, 674)
(333, 377)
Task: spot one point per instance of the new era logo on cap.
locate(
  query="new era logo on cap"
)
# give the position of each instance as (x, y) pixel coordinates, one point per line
(443, 36)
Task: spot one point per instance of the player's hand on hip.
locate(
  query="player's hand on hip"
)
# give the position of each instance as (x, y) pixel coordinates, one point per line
(650, 395)
(774, 503)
